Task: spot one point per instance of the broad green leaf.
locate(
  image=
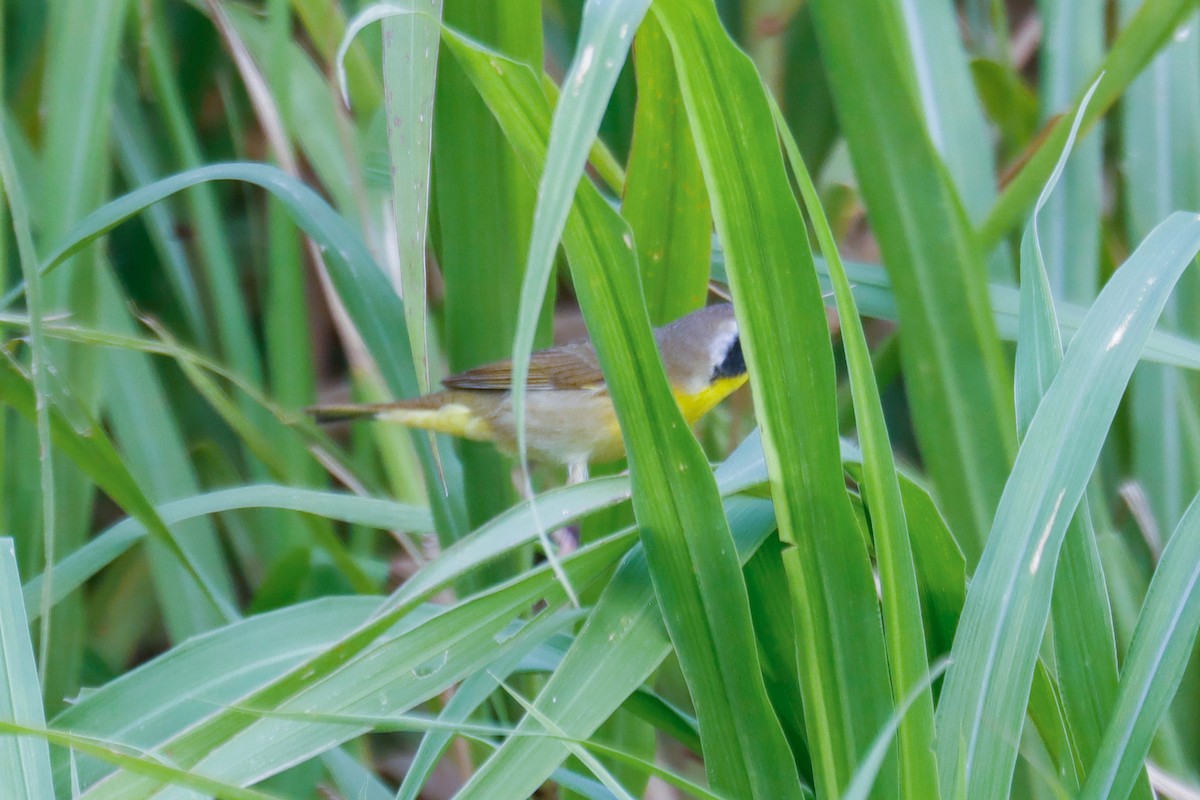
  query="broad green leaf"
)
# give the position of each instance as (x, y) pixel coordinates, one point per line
(665, 200)
(1084, 642)
(785, 338)
(1008, 603)
(880, 488)
(962, 402)
(701, 589)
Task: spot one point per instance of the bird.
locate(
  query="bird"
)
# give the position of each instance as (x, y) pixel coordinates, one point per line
(569, 414)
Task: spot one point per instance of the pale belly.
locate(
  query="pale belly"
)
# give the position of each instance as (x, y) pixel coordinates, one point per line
(563, 426)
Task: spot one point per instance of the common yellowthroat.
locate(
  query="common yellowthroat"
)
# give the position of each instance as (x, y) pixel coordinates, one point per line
(569, 415)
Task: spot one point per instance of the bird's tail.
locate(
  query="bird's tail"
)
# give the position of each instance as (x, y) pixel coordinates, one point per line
(443, 412)
(351, 411)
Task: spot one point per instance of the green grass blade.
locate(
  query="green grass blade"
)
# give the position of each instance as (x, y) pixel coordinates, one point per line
(410, 57)
(880, 487)
(1009, 600)
(962, 404)
(1129, 54)
(93, 453)
(868, 771)
(874, 294)
(154, 447)
(949, 104)
(1159, 139)
(1070, 226)
(19, 213)
(24, 760)
(369, 298)
(469, 695)
(604, 42)
(785, 338)
(665, 200)
(485, 210)
(620, 646)
(1158, 655)
(138, 763)
(1084, 642)
(357, 675)
(702, 591)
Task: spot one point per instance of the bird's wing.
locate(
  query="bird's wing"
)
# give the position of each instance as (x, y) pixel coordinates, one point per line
(572, 366)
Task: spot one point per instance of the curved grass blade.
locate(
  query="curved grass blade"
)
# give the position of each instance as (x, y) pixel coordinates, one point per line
(676, 501)
(410, 56)
(1009, 599)
(843, 672)
(372, 304)
(665, 200)
(962, 404)
(1084, 641)
(19, 211)
(904, 632)
(1129, 54)
(78, 567)
(24, 760)
(604, 40)
(865, 775)
(93, 452)
(136, 762)
(1158, 655)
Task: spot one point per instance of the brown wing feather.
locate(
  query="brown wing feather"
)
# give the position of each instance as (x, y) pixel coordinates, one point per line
(571, 366)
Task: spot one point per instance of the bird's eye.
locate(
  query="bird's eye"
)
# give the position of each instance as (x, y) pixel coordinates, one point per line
(734, 363)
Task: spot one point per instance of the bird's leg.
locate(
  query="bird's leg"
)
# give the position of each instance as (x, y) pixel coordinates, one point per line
(568, 538)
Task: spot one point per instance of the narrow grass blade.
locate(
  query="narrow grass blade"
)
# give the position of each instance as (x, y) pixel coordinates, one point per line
(24, 760)
(665, 200)
(1129, 54)
(949, 103)
(603, 45)
(1070, 226)
(470, 694)
(620, 646)
(39, 387)
(93, 453)
(880, 487)
(962, 404)
(410, 57)
(701, 588)
(485, 211)
(368, 296)
(1084, 642)
(1159, 138)
(983, 703)
(868, 771)
(137, 762)
(786, 341)
(1158, 655)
